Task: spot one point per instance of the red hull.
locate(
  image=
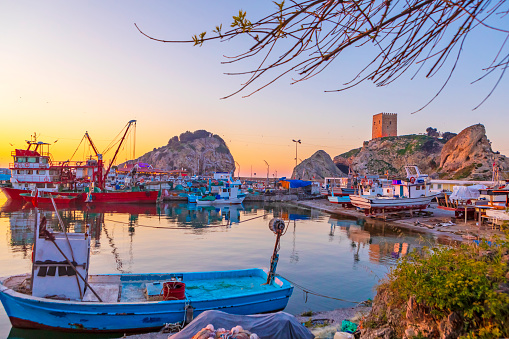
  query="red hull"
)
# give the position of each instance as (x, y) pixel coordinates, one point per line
(125, 197)
(104, 197)
(44, 200)
(13, 193)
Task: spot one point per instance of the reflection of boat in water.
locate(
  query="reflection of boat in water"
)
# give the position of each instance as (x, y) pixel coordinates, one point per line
(148, 209)
(60, 295)
(46, 199)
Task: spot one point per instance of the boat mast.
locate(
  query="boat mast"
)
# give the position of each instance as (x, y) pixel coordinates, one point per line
(98, 174)
(129, 124)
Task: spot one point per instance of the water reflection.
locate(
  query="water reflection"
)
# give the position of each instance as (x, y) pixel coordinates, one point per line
(334, 256)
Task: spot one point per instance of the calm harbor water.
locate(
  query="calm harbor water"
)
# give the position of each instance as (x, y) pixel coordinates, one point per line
(340, 258)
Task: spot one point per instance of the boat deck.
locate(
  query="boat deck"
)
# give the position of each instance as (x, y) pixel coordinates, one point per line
(112, 289)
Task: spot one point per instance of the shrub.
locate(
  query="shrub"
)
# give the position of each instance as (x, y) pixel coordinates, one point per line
(460, 280)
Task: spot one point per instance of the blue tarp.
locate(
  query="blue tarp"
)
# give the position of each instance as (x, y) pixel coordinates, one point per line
(5, 177)
(296, 183)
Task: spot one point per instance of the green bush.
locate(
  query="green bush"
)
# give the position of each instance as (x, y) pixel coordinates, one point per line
(460, 280)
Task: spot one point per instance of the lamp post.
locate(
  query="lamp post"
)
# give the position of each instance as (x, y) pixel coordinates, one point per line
(296, 142)
(267, 172)
(239, 169)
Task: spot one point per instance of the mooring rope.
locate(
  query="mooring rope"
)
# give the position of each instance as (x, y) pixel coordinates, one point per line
(308, 291)
(180, 228)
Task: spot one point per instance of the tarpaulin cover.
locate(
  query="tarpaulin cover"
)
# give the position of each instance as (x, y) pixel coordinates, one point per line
(465, 192)
(294, 183)
(280, 325)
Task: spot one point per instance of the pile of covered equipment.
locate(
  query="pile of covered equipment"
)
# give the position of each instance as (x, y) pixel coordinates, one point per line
(278, 325)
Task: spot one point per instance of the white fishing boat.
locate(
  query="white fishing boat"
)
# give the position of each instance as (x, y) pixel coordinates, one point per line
(228, 194)
(413, 194)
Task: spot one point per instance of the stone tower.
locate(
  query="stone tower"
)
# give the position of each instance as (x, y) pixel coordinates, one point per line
(385, 125)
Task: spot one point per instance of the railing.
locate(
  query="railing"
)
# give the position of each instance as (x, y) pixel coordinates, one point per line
(28, 165)
(35, 178)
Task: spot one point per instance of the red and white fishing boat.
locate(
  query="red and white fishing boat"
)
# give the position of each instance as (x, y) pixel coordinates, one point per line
(413, 194)
(33, 169)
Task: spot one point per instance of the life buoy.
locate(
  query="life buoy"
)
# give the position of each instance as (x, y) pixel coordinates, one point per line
(27, 164)
(371, 183)
(469, 202)
(412, 180)
(142, 180)
(46, 179)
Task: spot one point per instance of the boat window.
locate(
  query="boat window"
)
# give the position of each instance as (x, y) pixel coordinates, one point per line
(439, 186)
(29, 172)
(418, 187)
(40, 185)
(44, 160)
(32, 160)
(50, 185)
(22, 159)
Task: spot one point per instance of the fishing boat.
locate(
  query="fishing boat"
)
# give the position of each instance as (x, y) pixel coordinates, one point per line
(227, 194)
(413, 194)
(33, 168)
(60, 295)
(340, 199)
(135, 302)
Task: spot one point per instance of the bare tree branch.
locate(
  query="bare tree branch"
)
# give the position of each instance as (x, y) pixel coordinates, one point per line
(305, 36)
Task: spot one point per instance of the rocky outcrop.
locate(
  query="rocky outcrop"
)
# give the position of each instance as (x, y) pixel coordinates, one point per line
(199, 152)
(469, 154)
(391, 154)
(316, 167)
(466, 156)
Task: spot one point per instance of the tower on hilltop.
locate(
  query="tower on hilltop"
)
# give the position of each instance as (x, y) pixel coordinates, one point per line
(385, 125)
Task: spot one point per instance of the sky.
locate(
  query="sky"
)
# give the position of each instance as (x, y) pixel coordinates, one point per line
(73, 66)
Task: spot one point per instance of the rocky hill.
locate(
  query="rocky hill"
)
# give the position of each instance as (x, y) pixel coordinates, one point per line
(318, 166)
(466, 156)
(200, 152)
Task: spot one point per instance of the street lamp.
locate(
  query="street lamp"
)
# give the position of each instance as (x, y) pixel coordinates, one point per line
(267, 172)
(296, 142)
(239, 169)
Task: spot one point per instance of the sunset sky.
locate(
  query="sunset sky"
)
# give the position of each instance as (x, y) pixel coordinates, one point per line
(68, 67)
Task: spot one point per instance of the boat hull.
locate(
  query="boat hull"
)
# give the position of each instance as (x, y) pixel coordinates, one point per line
(61, 201)
(17, 194)
(29, 312)
(125, 197)
(13, 193)
(390, 204)
(234, 201)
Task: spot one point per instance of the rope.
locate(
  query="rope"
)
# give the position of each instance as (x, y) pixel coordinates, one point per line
(178, 228)
(308, 291)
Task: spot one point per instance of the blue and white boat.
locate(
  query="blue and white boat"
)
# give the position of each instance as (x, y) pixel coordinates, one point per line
(229, 194)
(125, 306)
(60, 295)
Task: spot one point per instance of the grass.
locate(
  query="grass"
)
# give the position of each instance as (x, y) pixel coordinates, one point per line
(464, 172)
